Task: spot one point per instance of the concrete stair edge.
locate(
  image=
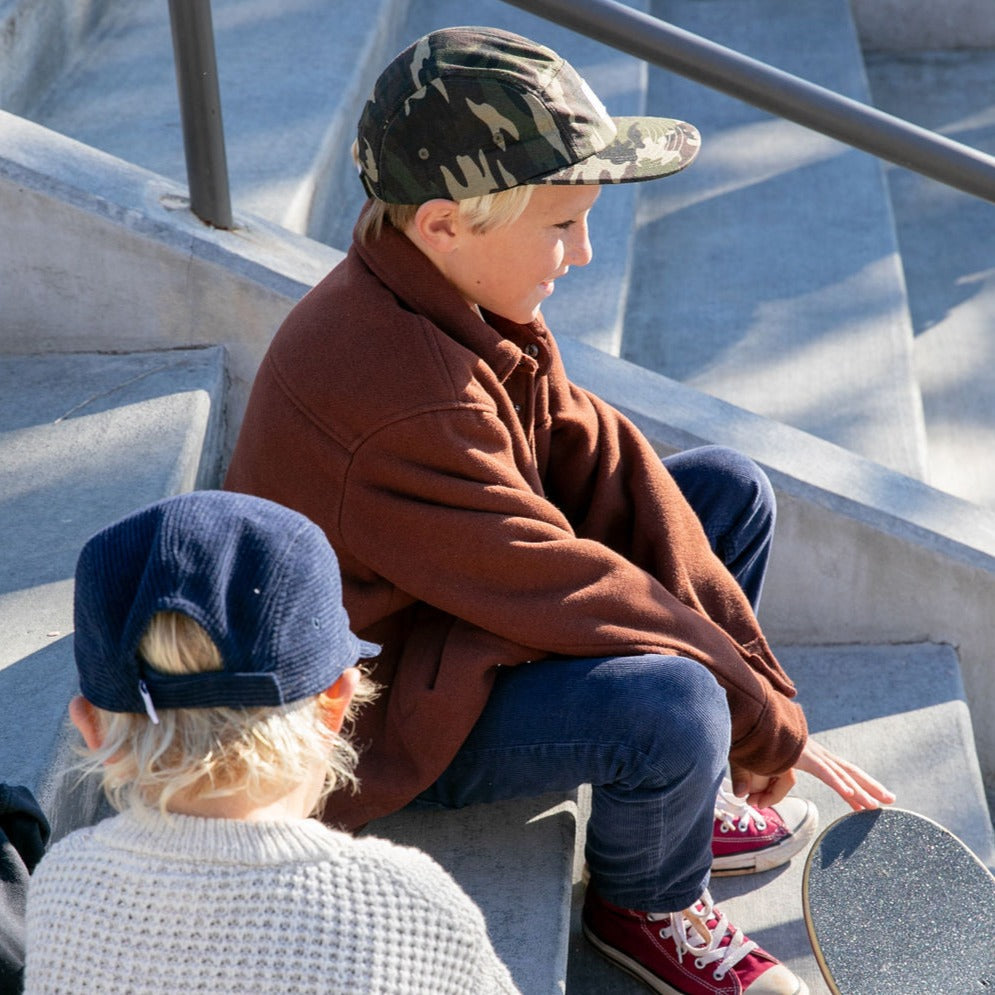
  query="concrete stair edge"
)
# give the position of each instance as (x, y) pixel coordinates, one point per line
(127, 430)
(120, 226)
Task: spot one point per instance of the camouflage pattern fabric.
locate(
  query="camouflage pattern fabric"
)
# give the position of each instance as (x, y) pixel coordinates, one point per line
(468, 111)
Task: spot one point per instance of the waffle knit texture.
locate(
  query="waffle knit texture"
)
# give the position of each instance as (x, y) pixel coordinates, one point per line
(143, 905)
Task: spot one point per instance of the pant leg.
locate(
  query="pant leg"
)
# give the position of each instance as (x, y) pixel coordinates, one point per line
(649, 733)
(735, 502)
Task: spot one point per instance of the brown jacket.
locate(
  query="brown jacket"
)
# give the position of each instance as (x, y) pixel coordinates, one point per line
(486, 512)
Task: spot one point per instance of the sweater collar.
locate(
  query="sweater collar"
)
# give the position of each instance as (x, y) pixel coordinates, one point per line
(410, 275)
(143, 830)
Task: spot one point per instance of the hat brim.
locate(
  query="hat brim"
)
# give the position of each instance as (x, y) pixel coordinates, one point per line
(644, 148)
(366, 650)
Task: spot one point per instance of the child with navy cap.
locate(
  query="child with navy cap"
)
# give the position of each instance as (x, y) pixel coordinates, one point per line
(217, 670)
(556, 605)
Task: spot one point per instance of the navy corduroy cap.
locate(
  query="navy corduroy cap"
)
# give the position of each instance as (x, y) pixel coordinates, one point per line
(261, 579)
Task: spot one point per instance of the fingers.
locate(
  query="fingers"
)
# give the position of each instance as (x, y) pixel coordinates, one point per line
(760, 790)
(776, 790)
(853, 784)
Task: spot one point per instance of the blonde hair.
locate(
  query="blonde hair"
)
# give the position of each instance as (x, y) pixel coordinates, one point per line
(484, 213)
(214, 752)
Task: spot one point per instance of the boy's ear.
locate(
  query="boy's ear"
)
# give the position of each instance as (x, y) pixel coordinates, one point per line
(338, 697)
(84, 717)
(436, 225)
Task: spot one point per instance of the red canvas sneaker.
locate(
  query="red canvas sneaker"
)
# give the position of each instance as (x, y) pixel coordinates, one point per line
(747, 839)
(695, 952)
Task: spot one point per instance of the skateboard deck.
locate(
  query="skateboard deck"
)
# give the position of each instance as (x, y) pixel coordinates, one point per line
(895, 904)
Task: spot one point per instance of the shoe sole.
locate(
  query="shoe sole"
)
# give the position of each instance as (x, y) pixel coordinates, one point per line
(756, 861)
(630, 966)
(640, 973)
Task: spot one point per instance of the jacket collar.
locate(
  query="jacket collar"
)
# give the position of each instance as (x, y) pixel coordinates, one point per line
(410, 275)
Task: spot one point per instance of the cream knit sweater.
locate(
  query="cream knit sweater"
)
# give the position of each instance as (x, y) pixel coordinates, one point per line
(138, 904)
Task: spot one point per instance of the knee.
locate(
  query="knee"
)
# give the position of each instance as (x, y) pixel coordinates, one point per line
(743, 475)
(674, 706)
(696, 707)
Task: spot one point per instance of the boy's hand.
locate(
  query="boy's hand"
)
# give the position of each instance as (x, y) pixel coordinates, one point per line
(854, 785)
(759, 790)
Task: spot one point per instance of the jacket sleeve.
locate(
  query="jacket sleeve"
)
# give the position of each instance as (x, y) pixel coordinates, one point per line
(435, 503)
(613, 488)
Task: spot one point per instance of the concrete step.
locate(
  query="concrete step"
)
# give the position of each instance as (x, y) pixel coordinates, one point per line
(898, 711)
(38, 38)
(515, 860)
(768, 274)
(84, 439)
(100, 255)
(908, 25)
(947, 240)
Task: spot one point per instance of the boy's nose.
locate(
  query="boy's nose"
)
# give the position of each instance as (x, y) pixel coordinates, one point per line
(580, 249)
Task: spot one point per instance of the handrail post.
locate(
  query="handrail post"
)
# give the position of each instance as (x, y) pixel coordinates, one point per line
(200, 111)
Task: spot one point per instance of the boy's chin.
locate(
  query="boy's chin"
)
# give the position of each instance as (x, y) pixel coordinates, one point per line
(523, 317)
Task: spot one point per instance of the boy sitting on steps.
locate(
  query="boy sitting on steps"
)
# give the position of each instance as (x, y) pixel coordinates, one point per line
(556, 605)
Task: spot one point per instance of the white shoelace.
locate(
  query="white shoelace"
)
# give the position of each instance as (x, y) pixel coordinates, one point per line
(734, 813)
(709, 950)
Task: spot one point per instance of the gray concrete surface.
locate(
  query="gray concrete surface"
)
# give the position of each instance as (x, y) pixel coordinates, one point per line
(38, 39)
(768, 273)
(915, 738)
(84, 439)
(904, 25)
(99, 254)
(947, 242)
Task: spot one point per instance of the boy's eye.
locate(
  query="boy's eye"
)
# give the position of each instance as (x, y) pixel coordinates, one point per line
(564, 225)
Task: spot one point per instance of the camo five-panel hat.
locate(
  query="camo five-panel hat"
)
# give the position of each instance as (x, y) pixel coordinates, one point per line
(469, 111)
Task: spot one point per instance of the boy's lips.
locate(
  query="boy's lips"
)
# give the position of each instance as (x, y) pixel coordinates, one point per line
(547, 285)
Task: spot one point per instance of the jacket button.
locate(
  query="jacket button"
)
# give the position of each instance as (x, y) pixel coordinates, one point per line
(532, 350)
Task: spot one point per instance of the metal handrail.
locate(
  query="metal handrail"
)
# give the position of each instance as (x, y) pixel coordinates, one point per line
(628, 30)
(200, 111)
(788, 96)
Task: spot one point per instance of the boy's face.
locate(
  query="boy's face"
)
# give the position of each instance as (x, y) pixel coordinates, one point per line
(510, 270)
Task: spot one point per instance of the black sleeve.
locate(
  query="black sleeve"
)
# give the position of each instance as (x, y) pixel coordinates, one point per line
(24, 833)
